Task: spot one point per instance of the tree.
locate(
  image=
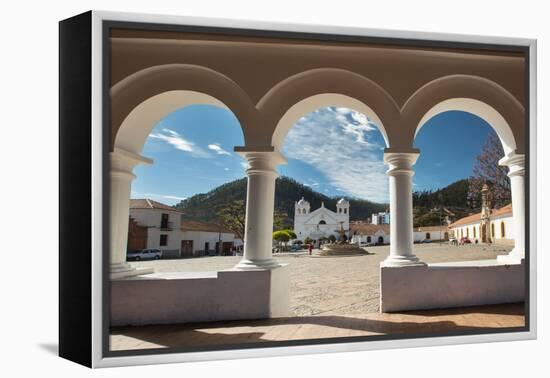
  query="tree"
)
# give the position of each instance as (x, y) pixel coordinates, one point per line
(283, 236)
(488, 171)
(280, 220)
(232, 217)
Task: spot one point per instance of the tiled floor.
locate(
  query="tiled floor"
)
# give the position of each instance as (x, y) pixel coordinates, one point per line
(316, 327)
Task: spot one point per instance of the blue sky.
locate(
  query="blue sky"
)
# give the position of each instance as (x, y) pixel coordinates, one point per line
(335, 151)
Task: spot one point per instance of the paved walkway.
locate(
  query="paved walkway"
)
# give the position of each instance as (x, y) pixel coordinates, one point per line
(316, 327)
(330, 297)
(335, 285)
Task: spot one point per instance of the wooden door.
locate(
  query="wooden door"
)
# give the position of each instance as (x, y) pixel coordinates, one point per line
(187, 248)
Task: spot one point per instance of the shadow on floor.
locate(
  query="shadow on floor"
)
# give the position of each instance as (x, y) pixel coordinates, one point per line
(308, 327)
(517, 309)
(51, 348)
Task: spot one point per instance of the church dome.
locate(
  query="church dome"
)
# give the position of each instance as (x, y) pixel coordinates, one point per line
(303, 202)
(343, 201)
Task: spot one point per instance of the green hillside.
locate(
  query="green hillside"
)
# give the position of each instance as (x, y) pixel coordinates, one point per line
(205, 206)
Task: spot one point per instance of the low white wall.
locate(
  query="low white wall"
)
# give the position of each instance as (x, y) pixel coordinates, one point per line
(445, 285)
(165, 298)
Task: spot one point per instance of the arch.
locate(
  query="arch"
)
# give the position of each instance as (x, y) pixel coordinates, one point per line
(476, 95)
(140, 100)
(493, 230)
(322, 222)
(369, 239)
(380, 240)
(428, 236)
(502, 230)
(300, 94)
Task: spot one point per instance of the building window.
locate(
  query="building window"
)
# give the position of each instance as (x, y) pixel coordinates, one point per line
(474, 228)
(369, 239)
(322, 222)
(428, 236)
(163, 240)
(493, 230)
(467, 232)
(502, 230)
(164, 221)
(345, 211)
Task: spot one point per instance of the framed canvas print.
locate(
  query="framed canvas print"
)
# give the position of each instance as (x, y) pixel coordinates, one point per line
(232, 189)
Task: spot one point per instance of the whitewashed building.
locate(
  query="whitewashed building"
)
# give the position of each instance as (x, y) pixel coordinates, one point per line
(370, 234)
(159, 226)
(381, 218)
(320, 223)
(499, 227)
(200, 238)
(162, 224)
(431, 233)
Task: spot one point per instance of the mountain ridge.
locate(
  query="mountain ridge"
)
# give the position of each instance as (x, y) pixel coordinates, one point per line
(205, 206)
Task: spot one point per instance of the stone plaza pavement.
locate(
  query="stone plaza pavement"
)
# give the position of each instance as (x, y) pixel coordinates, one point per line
(335, 285)
(331, 297)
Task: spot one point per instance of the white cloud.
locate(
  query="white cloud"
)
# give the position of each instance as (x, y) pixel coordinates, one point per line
(245, 164)
(178, 142)
(156, 195)
(226, 169)
(339, 143)
(217, 149)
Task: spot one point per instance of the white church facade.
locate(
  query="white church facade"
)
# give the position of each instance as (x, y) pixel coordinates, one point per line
(322, 222)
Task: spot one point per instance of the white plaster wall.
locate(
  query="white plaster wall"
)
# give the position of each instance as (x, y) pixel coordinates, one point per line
(445, 285)
(201, 237)
(508, 224)
(151, 218)
(420, 236)
(200, 297)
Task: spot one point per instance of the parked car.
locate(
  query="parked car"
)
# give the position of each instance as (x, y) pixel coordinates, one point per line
(295, 247)
(453, 241)
(465, 241)
(144, 254)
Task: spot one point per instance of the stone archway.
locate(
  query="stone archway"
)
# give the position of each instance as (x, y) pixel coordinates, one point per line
(139, 102)
(500, 109)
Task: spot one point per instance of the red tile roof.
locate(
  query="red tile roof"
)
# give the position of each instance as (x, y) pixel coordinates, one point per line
(361, 228)
(477, 217)
(188, 225)
(146, 203)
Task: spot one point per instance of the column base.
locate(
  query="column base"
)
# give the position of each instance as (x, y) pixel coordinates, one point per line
(125, 270)
(514, 257)
(246, 264)
(396, 261)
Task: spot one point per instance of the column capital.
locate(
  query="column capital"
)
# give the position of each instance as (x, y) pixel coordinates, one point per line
(123, 161)
(261, 160)
(400, 161)
(515, 162)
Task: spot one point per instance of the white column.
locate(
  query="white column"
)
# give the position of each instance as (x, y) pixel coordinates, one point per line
(122, 164)
(401, 208)
(260, 203)
(516, 164)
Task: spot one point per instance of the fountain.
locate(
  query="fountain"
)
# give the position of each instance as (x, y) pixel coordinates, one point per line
(342, 247)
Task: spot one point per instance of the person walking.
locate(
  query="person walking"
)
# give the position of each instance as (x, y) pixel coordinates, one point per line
(310, 248)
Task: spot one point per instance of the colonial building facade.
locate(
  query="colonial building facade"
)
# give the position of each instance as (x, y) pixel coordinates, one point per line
(320, 223)
(498, 229)
(158, 226)
(488, 226)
